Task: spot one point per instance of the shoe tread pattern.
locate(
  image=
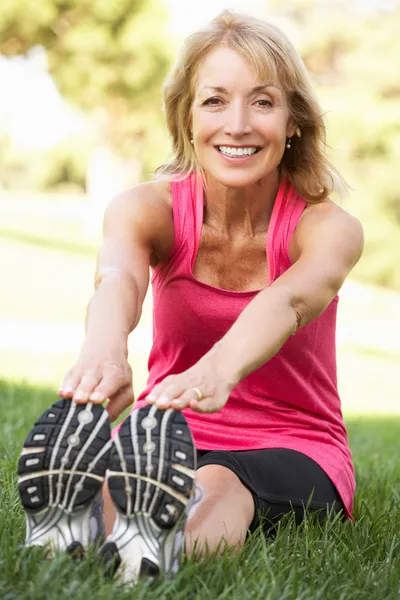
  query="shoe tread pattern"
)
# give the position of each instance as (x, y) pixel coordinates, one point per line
(37, 491)
(174, 447)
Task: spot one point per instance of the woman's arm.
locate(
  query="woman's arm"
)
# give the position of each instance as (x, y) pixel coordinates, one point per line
(135, 223)
(327, 244)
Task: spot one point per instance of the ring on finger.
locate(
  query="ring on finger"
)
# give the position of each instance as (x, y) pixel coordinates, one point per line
(199, 393)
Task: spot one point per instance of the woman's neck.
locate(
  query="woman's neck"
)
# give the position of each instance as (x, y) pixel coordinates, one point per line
(240, 212)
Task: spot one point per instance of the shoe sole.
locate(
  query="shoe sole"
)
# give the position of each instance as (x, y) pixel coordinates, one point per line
(61, 472)
(151, 480)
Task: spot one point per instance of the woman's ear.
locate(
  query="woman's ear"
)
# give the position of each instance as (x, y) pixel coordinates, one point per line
(292, 128)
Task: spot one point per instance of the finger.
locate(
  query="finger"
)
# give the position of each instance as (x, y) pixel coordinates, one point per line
(110, 385)
(119, 403)
(162, 389)
(163, 397)
(86, 386)
(151, 398)
(70, 383)
(184, 401)
(180, 403)
(206, 405)
(158, 389)
(167, 398)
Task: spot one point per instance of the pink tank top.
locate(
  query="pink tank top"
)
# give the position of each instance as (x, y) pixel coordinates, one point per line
(290, 402)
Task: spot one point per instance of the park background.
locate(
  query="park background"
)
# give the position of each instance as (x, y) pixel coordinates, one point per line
(80, 120)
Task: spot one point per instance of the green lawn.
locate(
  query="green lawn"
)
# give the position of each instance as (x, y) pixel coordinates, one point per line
(336, 561)
(47, 259)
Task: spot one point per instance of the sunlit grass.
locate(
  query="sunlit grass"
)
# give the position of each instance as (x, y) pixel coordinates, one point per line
(43, 284)
(47, 267)
(333, 561)
(48, 369)
(47, 259)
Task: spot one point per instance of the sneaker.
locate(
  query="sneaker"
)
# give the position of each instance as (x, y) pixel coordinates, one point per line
(61, 473)
(151, 482)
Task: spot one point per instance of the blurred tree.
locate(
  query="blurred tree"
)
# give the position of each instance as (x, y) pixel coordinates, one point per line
(327, 31)
(353, 54)
(110, 57)
(107, 56)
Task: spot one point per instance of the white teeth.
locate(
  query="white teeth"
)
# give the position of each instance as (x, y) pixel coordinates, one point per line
(237, 151)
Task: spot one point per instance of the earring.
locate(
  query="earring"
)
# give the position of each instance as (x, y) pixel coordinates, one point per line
(289, 143)
(191, 140)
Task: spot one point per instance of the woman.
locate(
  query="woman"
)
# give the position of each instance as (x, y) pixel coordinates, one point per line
(247, 254)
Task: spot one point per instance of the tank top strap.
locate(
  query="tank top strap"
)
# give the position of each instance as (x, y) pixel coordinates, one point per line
(197, 206)
(187, 198)
(286, 213)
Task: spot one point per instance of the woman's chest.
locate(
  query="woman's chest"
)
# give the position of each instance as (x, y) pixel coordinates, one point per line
(232, 265)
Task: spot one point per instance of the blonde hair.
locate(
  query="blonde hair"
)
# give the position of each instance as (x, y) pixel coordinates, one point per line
(268, 51)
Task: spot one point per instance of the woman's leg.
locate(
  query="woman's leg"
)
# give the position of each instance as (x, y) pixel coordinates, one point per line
(222, 517)
(109, 510)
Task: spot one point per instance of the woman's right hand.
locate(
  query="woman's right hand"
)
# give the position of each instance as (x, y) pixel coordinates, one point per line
(94, 378)
(135, 223)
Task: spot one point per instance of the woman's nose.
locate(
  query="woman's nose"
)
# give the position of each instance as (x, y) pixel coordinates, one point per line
(237, 122)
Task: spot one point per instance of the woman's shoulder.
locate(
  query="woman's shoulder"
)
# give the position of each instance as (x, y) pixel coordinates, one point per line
(148, 194)
(325, 216)
(146, 208)
(160, 189)
(327, 211)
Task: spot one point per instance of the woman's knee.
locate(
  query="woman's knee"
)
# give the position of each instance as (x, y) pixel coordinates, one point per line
(223, 515)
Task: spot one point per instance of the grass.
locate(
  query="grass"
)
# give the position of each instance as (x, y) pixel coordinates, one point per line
(333, 561)
(47, 259)
(43, 281)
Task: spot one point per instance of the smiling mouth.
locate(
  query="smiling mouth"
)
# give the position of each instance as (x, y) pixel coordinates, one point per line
(238, 152)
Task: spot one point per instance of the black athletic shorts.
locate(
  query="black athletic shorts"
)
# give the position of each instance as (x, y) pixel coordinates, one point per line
(280, 480)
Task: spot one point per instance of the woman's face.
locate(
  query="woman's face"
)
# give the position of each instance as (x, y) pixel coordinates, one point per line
(239, 123)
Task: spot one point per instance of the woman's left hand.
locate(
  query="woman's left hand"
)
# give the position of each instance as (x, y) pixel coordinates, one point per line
(179, 391)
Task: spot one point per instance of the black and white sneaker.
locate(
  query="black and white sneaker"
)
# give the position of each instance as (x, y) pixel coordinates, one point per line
(151, 481)
(61, 472)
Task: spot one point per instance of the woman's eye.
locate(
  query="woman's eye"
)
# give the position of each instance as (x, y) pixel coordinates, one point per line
(212, 102)
(264, 102)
